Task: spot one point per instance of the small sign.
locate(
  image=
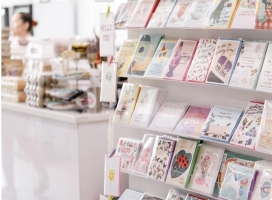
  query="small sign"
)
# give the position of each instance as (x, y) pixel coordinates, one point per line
(112, 176)
(107, 36)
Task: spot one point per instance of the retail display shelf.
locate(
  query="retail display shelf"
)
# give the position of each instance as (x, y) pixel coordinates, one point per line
(64, 116)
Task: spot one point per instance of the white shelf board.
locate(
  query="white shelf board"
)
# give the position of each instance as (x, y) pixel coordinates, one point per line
(64, 116)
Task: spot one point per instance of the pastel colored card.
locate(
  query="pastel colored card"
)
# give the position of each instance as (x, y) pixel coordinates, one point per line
(126, 103)
(248, 65)
(231, 157)
(161, 158)
(144, 158)
(178, 14)
(238, 182)
(125, 15)
(112, 176)
(128, 150)
(168, 116)
(198, 14)
(244, 17)
(248, 128)
(160, 59)
(124, 56)
(193, 197)
(263, 18)
(224, 61)
(183, 161)
(202, 60)
(264, 141)
(175, 195)
(131, 195)
(206, 169)
(108, 82)
(180, 60)
(142, 13)
(161, 14)
(143, 54)
(147, 196)
(192, 122)
(221, 123)
(220, 15)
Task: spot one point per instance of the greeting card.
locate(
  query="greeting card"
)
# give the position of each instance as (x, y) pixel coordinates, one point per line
(180, 60)
(168, 116)
(224, 61)
(193, 197)
(238, 182)
(160, 59)
(126, 103)
(263, 14)
(143, 54)
(161, 158)
(183, 162)
(192, 122)
(147, 196)
(221, 123)
(108, 82)
(178, 14)
(202, 60)
(128, 150)
(131, 195)
(206, 169)
(112, 176)
(248, 65)
(124, 56)
(174, 195)
(248, 128)
(161, 14)
(107, 35)
(125, 14)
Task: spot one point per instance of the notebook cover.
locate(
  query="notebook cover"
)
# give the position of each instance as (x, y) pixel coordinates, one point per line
(248, 128)
(143, 54)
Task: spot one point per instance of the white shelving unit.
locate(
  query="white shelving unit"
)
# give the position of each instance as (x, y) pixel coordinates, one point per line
(202, 95)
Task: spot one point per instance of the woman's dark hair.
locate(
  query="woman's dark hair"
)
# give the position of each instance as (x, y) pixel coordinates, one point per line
(27, 18)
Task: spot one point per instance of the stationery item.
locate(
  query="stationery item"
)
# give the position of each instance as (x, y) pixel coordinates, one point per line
(124, 56)
(107, 36)
(131, 195)
(192, 122)
(142, 13)
(183, 162)
(202, 60)
(144, 158)
(178, 14)
(248, 65)
(143, 54)
(264, 141)
(265, 77)
(197, 14)
(244, 17)
(161, 158)
(224, 60)
(128, 150)
(118, 13)
(161, 14)
(174, 195)
(263, 14)
(180, 60)
(193, 197)
(168, 116)
(108, 82)
(125, 14)
(238, 182)
(206, 169)
(231, 157)
(147, 196)
(112, 176)
(126, 103)
(248, 128)
(160, 59)
(220, 15)
(263, 184)
(221, 123)
(148, 103)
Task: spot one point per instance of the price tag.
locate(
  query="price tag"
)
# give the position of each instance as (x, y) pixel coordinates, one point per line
(107, 36)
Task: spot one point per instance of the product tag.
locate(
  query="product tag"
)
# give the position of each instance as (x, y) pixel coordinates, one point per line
(107, 36)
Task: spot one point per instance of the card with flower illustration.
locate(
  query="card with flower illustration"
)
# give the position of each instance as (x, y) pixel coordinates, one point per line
(161, 158)
(175, 195)
(160, 59)
(206, 169)
(202, 60)
(108, 82)
(248, 128)
(248, 65)
(178, 14)
(128, 150)
(184, 158)
(180, 60)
